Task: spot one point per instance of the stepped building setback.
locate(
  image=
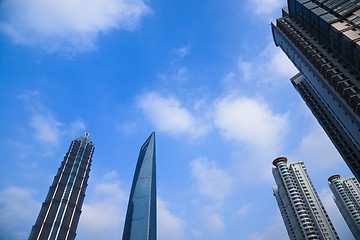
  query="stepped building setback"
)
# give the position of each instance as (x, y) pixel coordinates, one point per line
(347, 198)
(60, 212)
(301, 208)
(322, 39)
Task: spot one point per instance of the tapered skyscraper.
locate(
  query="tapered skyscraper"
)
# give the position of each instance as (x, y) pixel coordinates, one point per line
(347, 198)
(60, 212)
(140, 222)
(303, 213)
(321, 38)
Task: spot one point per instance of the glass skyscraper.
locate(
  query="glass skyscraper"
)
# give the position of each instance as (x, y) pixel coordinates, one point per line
(140, 222)
(322, 39)
(347, 198)
(60, 212)
(301, 208)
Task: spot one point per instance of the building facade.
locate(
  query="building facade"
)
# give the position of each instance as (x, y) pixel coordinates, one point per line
(321, 38)
(60, 212)
(347, 198)
(301, 208)
(140, 222)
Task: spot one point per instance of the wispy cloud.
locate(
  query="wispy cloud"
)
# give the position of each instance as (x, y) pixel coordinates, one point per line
(67, 25)
(316, 145)
(46, 128)
(268, 69)
(211, 180)
(182, 52)
(276, 230)
(215, 184)
(169, 115)
(264, 7)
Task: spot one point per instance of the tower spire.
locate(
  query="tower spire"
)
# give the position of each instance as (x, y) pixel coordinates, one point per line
(140, 222)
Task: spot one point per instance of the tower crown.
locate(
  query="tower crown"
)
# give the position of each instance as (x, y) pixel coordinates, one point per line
(278, 160)
(333, 177)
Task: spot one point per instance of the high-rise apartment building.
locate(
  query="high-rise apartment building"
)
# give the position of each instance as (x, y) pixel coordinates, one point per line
(60, 212)
(140, 222)
(347, 198)
(301, 208)
(322, 39)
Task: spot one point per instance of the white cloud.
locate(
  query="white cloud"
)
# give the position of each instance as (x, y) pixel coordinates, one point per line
(103, 212)
(70, 25)
(259, 131)
(168, 115)
(169, 226)
(212, 181)
(251, 121)
(265, 7)
(18, 211)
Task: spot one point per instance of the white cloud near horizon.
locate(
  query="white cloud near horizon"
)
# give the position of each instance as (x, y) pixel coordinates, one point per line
(103, 212)
(67, 25)
(169, 226)
(169, 115)
(18, 211)
(104, 209)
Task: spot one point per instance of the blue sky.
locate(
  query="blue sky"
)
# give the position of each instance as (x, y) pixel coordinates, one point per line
(205, 75)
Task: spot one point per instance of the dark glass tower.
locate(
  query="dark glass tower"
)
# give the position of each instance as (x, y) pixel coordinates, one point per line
(140, 222)
(322, 39)
(60, 213)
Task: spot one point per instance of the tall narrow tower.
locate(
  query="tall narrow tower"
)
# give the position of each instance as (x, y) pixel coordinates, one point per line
(60, 212)
(140, 222)
(321, 38)
(301, 208)
(347, 198)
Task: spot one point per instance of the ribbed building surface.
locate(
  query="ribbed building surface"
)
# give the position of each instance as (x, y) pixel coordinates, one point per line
(303, 213)
(140, 222)
(347, 198)
(321, 38)
(60, 212)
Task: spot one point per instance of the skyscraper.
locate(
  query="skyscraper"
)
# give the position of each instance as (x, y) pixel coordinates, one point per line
(321, 38)
(60, 212)
(347, 198)
(140, 222)
(301, 208)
